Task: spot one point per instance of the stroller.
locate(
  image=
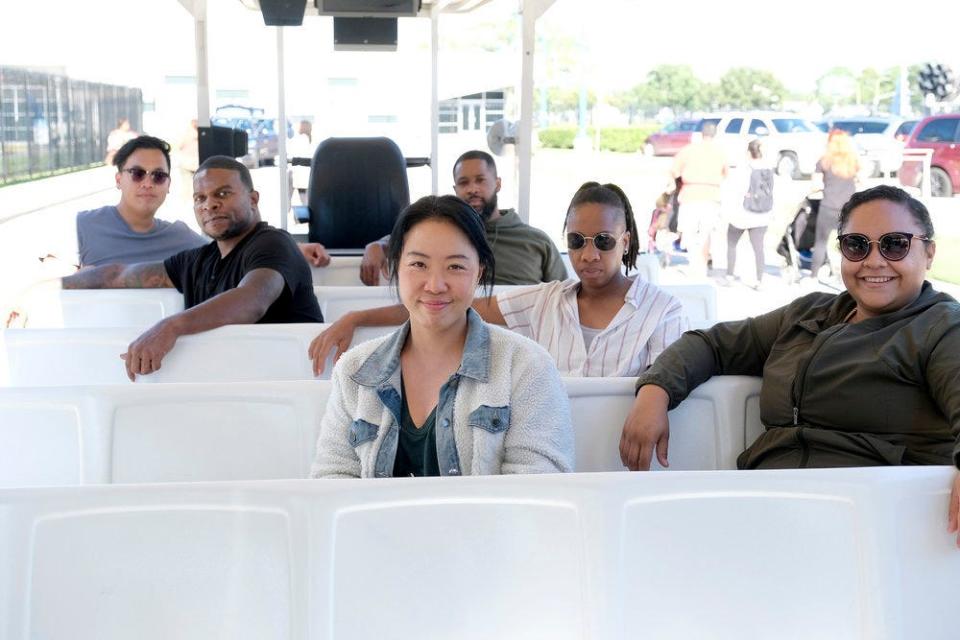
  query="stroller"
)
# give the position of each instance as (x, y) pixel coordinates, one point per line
(796, 245)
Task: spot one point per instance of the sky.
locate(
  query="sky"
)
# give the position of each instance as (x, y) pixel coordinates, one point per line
(798, 41)
(142, 42)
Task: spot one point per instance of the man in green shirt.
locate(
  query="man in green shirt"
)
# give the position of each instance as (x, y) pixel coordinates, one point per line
(523, 254)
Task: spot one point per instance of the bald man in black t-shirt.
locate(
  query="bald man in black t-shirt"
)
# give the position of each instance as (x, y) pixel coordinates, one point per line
(250, 273)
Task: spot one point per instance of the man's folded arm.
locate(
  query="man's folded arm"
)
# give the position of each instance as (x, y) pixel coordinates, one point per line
(142, 275)
(244, 304)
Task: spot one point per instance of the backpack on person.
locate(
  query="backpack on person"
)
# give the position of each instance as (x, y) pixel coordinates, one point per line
(759, 198)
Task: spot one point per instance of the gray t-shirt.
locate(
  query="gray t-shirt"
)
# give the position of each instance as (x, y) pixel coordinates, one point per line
(103, 237)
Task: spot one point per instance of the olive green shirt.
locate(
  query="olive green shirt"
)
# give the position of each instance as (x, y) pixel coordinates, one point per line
(885, 390)
(523, 254)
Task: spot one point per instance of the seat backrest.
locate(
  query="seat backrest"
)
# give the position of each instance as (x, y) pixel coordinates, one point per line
(342, 271)
(235, 353)
(358, 186)
(159, 433)
(83, 308)
(815, 553)
(699, 302)
(706, 430)
(268, 429)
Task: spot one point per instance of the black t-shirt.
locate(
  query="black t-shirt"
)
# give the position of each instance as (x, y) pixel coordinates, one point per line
(200, 274)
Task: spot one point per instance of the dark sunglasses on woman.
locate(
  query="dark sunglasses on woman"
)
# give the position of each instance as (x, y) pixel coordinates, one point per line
(893, 246)
(602, 241)
(137, 174)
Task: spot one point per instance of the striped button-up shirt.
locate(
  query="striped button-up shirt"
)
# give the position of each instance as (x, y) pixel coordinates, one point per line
(649, 320)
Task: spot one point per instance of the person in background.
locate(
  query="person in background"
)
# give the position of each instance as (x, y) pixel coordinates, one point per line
(526, 255)
(446, 394)
(862, 378)
(129, 232)
(118, 137)
(702, 167)
(601, 323)
(748, 206)
(838, 168)
(302, 147)
(250, 273)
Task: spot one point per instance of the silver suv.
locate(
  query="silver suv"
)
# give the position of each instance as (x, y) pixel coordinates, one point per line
(793, 142)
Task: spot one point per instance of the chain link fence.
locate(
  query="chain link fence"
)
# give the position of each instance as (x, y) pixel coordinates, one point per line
(52, 124)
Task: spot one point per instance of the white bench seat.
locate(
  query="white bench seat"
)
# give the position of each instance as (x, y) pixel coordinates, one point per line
(264, 430)
(840, 554)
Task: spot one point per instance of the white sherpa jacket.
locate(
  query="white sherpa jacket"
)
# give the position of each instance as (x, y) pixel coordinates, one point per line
(503, 411)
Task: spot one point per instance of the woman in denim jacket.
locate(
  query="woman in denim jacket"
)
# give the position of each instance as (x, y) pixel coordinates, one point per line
(446, 394)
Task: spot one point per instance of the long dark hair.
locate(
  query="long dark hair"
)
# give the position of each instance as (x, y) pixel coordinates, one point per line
(612, 196)
(449, 209)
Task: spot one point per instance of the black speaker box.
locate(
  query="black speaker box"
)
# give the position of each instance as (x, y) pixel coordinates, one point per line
(283, 13)
(221, 141)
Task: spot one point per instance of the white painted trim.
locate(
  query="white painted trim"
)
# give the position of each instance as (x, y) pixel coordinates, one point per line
(282, 168)
(434, 100)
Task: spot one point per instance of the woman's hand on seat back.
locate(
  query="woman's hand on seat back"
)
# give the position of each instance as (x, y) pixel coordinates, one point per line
(647, 429)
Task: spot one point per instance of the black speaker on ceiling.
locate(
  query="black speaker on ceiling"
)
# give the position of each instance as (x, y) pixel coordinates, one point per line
(283, 13)
(364, 34)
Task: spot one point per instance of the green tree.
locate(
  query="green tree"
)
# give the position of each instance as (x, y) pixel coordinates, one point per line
(674, 86)
(632, 101)
(749, 88)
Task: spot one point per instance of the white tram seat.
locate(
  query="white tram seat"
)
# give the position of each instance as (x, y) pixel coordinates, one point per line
(817, 553)
(342, 271)
(261, 430)
(707, 431)
(90, 308)
(159, 433)
(235, 353)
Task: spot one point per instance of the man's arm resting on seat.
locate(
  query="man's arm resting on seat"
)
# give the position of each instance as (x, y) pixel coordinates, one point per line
(142, 275)
(245, 304)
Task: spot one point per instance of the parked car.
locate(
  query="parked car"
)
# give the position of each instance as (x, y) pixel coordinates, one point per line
(263, 145)
(793, 141)
(669, 140)
(877, 139)
(941, 134)
(905, 129)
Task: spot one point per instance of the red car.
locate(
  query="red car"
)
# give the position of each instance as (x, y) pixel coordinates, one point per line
(669, 140)
(942, 135)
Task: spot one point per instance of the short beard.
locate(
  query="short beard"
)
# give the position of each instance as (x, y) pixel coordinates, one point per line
(234, 230)
(489, 206)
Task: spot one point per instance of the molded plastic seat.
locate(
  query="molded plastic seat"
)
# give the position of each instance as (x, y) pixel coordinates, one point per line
(358, 186)
(814, 553)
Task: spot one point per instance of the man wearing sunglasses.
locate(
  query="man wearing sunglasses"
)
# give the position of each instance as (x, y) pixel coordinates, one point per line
(250, 273)
(524, 254)
(129, 231)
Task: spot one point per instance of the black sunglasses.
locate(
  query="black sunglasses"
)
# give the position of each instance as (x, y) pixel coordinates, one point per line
(137, 174)
(893, 246)
(602, 241)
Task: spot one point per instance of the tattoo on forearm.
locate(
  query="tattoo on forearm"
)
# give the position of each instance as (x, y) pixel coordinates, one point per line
(148, 275)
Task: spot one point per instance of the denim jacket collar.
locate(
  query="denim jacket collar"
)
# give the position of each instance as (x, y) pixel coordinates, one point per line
(381, 365)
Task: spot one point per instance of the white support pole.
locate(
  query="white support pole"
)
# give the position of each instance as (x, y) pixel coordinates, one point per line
(199, 11)
(282, 170)
(531, 10)
(434, 99)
